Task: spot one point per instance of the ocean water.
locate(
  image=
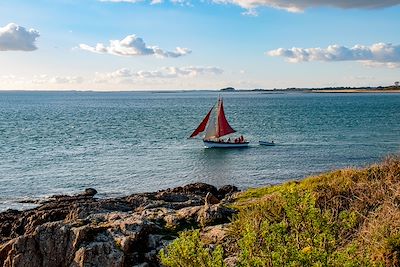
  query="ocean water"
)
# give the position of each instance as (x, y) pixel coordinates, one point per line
(122, 143)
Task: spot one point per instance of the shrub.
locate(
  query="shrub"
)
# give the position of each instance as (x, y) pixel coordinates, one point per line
(189, 250)
(349, 217)
(290, 231)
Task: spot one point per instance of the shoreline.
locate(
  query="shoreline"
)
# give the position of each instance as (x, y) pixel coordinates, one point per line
(166, 91)
(132, 229)
(349, 91)
(344, 209)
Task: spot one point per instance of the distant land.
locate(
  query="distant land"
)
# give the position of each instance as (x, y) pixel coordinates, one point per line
(378, 89)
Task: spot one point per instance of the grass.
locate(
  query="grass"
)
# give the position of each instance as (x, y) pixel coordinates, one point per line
(189, 250)
(349, 217)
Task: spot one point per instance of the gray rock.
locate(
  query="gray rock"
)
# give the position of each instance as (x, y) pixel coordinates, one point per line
(211, 199)
(214, 214)
(90, 192)
(72, 231)
(226, 190)
(98, 254)
(153, 241)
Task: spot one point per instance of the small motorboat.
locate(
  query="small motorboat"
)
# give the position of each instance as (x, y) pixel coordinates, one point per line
(266, 143)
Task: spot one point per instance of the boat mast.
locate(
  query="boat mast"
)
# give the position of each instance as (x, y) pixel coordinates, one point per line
(214, 123)
(223, 127)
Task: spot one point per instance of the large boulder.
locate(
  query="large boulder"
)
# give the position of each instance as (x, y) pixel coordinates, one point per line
(214, 214)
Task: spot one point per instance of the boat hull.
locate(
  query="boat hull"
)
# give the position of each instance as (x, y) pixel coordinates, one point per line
(211, 144)
(266, 143)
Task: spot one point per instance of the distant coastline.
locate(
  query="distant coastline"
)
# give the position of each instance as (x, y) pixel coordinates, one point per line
(355, 91)
(379, 89)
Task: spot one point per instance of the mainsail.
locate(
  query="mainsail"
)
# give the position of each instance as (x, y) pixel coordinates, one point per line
(223, 126)
(214, 123)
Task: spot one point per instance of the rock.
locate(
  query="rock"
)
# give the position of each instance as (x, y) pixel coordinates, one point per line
(5, 251)
(172, 197)
(226, 190)
(84, 231)
(214, 214)
(182, 218)
(200, 189)
(151, 256)
(90, 192)
(98, 254)
(211, 199)
(46, 247)
(214, 234)
(153, 241)
(23, 253)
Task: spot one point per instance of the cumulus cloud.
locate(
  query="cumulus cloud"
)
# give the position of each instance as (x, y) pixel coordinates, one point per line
(125, 75)
(14, 37)
(380, 54)
(132, 45)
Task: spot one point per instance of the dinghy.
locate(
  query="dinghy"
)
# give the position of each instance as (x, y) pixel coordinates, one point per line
(266, 143)
(215, 126)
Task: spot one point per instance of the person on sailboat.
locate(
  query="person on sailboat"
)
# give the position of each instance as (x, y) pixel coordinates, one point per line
(215, 126)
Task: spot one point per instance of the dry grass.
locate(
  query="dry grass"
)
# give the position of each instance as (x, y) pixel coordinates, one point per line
(363, 205)
(349, 217)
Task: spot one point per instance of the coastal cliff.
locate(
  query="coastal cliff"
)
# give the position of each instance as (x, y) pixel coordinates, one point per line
(348, 217)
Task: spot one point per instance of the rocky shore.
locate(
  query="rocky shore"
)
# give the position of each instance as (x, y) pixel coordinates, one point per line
(82, 230)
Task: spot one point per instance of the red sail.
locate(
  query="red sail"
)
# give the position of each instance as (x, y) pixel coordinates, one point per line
(202, 125)
(223, 126)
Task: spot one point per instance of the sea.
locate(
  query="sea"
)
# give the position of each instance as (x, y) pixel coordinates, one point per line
(122, 143)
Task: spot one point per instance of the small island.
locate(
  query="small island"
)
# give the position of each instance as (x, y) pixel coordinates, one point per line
(228, 89)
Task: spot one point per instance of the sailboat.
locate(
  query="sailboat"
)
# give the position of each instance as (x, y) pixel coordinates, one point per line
(215, 126)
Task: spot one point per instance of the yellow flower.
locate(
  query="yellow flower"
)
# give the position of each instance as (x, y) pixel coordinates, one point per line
(307, 249)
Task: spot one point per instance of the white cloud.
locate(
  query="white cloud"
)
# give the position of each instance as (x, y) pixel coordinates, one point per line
(14, 37)
(300, 5)
(125, 75)
(45, 79)
(132, 45)
(41, 80)
(288, 5)
(380, 54)
(122, 1)
(152, 2)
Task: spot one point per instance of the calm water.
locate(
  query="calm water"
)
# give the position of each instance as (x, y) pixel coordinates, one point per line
(120, 143)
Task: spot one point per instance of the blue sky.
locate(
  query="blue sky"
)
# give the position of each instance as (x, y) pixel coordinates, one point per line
(245, 44)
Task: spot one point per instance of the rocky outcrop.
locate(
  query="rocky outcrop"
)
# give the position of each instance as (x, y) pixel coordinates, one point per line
(129, 231)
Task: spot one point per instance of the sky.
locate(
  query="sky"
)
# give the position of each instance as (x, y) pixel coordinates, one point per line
(116, 45)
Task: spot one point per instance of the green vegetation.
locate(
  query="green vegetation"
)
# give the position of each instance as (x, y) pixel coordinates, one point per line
(349, 217)
(189, 250)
